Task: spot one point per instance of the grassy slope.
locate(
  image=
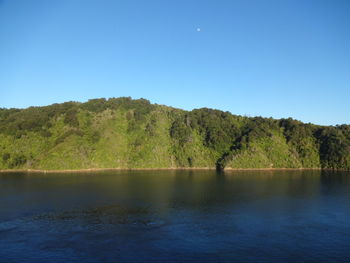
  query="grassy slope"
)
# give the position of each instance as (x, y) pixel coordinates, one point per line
(118, 145)
(118, 138)
(274, 152)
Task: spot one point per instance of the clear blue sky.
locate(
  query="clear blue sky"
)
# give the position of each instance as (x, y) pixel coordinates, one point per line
(269, 58)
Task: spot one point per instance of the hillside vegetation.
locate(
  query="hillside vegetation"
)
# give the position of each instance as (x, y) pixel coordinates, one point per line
(126, 133)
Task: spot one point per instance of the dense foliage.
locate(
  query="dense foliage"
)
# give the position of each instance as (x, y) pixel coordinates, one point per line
(127, 133)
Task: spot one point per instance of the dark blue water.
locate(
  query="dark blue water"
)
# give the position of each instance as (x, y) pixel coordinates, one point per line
(175, 216)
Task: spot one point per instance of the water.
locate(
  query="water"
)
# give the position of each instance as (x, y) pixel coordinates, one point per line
(175, 216)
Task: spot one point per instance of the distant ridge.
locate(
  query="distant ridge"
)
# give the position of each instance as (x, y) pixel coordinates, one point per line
(126, 133)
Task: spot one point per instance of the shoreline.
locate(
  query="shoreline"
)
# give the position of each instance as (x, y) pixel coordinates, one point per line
(88, 170)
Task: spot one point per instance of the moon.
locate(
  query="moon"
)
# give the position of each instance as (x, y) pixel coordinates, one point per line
(198, 29)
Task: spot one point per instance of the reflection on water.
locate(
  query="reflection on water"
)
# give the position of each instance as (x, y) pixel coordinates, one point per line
(175, 216)
(105, 215)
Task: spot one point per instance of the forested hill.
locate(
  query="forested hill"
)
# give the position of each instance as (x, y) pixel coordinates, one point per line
(126, 133)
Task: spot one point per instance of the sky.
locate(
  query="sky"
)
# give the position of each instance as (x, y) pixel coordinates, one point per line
(272, 58)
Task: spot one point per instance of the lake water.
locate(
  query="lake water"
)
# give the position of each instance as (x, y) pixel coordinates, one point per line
(175, 216)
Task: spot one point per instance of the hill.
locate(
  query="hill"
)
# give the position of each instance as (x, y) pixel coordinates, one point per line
(127, 133)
